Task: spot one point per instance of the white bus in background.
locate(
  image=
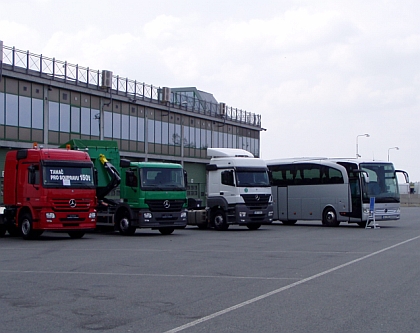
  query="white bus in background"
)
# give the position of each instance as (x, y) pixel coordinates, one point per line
(333, 190)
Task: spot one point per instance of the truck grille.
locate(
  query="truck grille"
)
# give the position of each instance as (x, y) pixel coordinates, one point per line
(165, 205)
(80, 205)
(256, 201)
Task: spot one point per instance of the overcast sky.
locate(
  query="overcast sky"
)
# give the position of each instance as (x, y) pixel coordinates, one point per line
(320, 73)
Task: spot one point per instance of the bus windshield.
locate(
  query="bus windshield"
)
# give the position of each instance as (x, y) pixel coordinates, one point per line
(68, 175)
(382, 182)
(252, 178)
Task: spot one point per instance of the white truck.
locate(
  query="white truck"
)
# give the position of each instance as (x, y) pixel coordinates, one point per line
(238, 192)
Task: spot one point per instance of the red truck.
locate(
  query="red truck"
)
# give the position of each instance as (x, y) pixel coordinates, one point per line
(48, 189)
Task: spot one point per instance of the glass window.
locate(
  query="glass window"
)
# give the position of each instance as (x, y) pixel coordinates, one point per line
(186, 136)
(158, 131)
(116, 126)
(11, 110)
(177, 136)
(197, 138)
(125, 130)
(140, 129)
(133, 128)
(150, 130)
(172, 135)
(108, 124)
(53, 123)
(94, 122)
(85, 124)
(64, 117)
(37, 113)
(165, 133)
(1, 108)
(75, 119)
(215, 139)
(24, 111)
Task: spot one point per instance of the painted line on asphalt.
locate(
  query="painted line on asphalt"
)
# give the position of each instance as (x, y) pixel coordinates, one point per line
(232, 277)
(279, 290)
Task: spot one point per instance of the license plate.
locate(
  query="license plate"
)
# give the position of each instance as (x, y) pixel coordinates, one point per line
(258, 212)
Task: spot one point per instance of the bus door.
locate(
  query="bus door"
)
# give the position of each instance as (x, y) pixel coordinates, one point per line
(280, 199)
(355, 183)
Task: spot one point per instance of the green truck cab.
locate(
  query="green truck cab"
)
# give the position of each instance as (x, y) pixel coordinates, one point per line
(135, 195)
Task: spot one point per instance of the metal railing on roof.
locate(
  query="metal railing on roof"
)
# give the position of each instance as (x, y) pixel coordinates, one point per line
(62, 71)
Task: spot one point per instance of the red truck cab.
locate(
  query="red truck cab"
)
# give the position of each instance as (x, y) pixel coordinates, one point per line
(48, 189)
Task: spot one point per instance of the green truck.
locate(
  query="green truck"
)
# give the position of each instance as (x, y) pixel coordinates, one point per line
(135, 195)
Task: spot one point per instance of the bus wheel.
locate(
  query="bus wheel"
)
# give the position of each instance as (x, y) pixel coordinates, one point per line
(166, 231)
(329, 218)
(219, 220)
(124, 225)
(289, 222)
(26, 227)
(76, 234)
(253, 226)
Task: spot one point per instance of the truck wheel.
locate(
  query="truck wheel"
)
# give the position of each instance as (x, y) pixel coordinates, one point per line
(2, 230)
(253, 226)
(166, 231)
(329, 218)
(26, 227)
(13, 231)
(219, 220)
(124, 224)
(76, 234)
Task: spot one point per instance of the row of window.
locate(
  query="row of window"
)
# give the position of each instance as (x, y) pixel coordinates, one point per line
(26, 112)
(304, 174)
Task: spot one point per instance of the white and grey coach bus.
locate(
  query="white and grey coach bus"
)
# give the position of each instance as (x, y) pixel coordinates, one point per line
(334, 190)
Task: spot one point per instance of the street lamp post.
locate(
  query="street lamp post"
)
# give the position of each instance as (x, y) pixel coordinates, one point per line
(357, 143)
(390, 149)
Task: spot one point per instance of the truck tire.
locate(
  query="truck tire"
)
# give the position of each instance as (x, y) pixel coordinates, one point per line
(13, 231)
(2, 230)
(26, 227)
(219, 220)
(76, 234)
(166, 231)
(124, 224)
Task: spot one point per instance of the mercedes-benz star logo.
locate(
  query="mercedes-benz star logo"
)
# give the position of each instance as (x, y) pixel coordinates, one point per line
(257, 197)
(166, 204)
(72, 203)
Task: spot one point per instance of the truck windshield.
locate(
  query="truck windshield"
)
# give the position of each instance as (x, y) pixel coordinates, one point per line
(252, 178)
(157, 179)
(68, 175)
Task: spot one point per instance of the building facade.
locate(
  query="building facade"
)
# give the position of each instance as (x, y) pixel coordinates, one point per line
(49, 102)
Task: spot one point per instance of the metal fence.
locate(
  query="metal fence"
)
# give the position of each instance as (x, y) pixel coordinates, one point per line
(62, 71)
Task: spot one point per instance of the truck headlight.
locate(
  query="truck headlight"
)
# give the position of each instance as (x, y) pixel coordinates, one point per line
(242, 214)
(92, 215)
(50, 215)
(183, 215)
(147, 215)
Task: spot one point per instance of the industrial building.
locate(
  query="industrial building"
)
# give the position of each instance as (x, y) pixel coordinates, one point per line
(50, 102)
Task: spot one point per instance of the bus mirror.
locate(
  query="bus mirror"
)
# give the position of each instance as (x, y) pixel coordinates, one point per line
(407, 178)
(365, 175)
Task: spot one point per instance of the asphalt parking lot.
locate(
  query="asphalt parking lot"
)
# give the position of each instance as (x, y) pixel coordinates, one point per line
(301, 278)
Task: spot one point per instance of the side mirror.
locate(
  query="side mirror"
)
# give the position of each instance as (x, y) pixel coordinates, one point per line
(365, 175)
